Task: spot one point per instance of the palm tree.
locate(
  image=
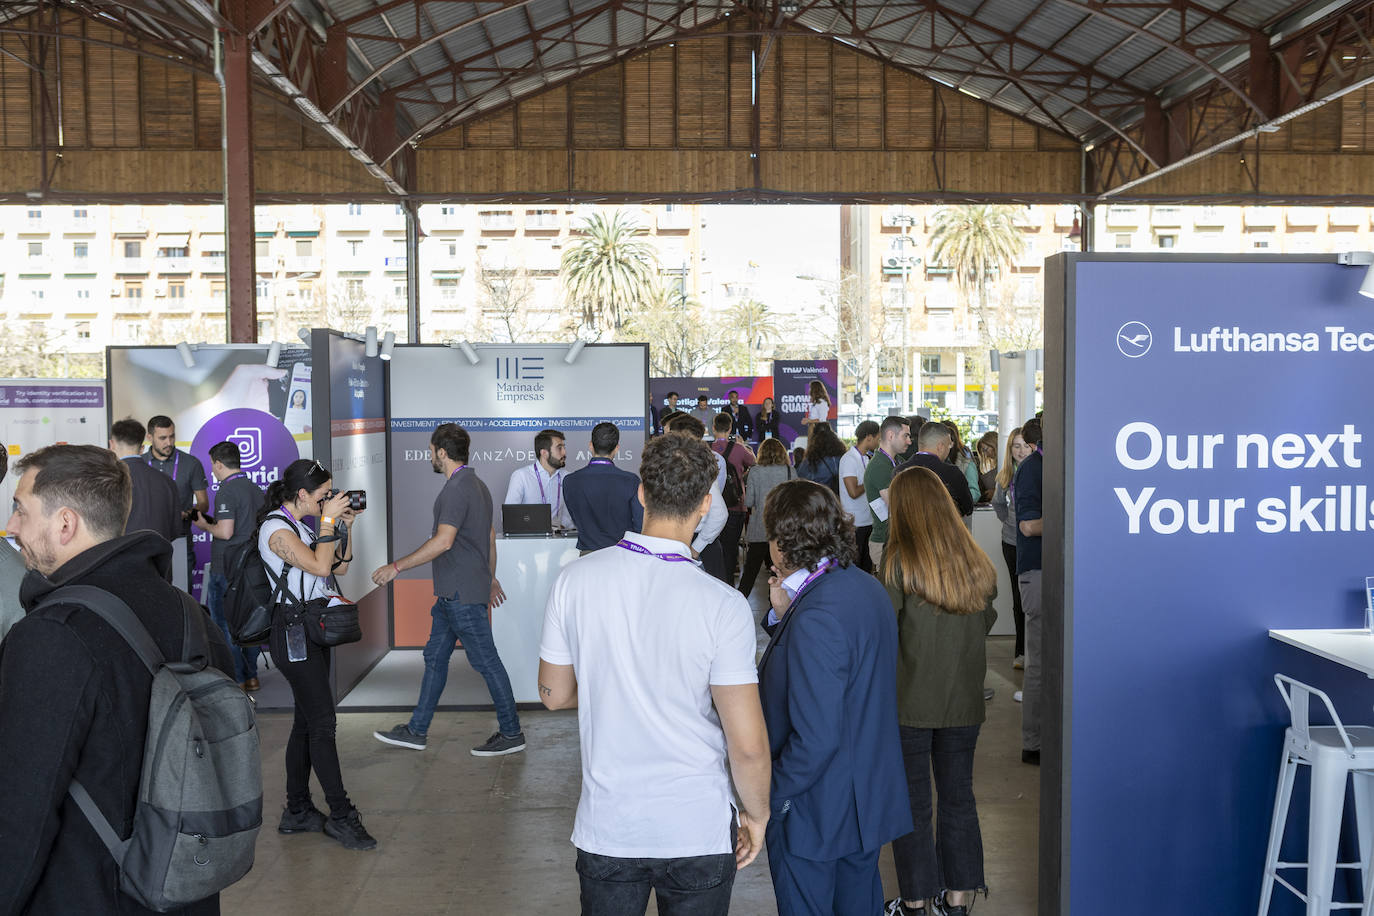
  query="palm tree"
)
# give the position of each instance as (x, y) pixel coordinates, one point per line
(977, 242)
(752, 325)
(608, 268)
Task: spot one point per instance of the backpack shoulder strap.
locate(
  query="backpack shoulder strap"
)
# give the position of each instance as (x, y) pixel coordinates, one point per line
(195, 641)
(118, 615)
(729, 447)
(99, 822)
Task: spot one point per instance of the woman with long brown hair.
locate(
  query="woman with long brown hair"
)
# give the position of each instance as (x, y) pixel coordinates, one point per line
(1005, 508)
(941, 584)
(770, 470)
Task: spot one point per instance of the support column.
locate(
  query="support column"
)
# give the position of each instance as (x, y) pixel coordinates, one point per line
(412, 211)
(237, 136)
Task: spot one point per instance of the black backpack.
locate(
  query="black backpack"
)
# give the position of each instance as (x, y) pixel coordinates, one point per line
(733, 492)
(253, 591)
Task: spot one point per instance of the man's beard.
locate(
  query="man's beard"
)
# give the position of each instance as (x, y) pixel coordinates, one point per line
(557, 463)
(160, 455)
(38, 554)
(434, 463)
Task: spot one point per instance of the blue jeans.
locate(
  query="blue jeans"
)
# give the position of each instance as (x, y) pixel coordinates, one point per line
(453, 621)
(690, 886)
(245, 660)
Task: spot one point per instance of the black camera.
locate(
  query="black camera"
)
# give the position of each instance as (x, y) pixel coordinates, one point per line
(357, 499)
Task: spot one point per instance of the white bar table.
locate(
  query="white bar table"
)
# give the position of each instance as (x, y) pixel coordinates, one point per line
(1352, 648)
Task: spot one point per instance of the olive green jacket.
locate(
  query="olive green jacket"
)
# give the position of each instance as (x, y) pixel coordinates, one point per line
(941, 663)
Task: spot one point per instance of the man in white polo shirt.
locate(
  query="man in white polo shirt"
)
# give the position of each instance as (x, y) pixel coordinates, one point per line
(658, 658)
(852, 468)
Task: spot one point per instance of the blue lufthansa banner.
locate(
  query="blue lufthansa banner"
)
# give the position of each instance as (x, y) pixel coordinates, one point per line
(1216, 478)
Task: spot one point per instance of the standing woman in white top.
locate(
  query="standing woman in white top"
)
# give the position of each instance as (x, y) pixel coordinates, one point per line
(287, 544)
(819, 411)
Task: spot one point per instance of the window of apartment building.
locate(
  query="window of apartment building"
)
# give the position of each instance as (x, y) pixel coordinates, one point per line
(133, 289)
(35, 215)
(398, 292)
(305, 248)
(400, 211)
(448, 211)
(176, 290)
(355, 247)
(83, 294)
(83, 330)
(133, 249)
(930, 363)
(264, 329)
(1123, 241)
(36, 295)
(218, 290)
(81, 250)
(35, 249)
(263, 288)
(261, 247)
(541, 219)
(174, 252)
(305, 291)
(1261, 242)
(355, 209)
(80, 215)
(354, 289)
(1166, 241)
(448, 289)
(132, 330)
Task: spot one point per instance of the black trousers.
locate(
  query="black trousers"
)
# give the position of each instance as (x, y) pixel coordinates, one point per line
(312, 742)
(713, 561)
(1017, 614)
(729, 543)
(755, 559)
(861, 537)
(945, 850)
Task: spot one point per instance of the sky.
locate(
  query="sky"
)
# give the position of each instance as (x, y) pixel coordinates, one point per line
(787, 239)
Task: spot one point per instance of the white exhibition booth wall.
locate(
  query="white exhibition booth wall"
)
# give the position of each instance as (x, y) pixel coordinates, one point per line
(35, 413)
(508, 396)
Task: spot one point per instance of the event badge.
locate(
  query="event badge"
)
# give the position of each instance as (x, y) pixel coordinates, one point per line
(879, 508)
(295, 642)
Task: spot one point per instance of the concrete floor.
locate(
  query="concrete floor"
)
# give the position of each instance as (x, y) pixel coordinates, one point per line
(463, 835)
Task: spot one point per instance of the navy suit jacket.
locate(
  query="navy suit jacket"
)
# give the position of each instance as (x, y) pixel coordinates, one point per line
(604, 503)
(828, 681)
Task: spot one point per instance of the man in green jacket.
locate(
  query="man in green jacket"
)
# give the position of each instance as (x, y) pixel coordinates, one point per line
(894, 437)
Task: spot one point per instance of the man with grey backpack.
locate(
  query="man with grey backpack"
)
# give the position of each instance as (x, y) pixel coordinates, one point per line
(132, 776)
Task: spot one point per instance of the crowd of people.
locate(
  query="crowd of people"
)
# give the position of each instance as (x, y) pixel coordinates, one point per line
(855, 729)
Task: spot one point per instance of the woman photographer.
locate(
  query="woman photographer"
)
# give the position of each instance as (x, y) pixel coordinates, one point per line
(308, 561)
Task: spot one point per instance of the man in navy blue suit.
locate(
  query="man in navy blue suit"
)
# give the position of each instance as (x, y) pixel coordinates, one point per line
(829, 686)
(602, 499)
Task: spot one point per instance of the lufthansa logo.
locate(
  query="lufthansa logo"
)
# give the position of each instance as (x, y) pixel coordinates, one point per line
(1134, 339)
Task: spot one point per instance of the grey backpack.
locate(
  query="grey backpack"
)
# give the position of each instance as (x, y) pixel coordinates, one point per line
(200, 793)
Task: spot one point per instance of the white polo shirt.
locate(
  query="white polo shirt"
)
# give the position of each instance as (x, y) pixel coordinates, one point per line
(853, 464)
(647, 638)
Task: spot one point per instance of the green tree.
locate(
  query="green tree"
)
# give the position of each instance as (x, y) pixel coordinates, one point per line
(682, 339)
(978, 242)
(608, 269)
(750, 326)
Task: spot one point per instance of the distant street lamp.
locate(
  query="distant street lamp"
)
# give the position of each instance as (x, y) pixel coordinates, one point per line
(906, 221)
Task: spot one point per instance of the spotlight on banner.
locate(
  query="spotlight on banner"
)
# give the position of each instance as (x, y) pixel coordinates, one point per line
(1360, 259)
(370, 344)
(273, 355)
(188, 359)
(468, 350)
(304, 335)
(574, 351)
(388, 344)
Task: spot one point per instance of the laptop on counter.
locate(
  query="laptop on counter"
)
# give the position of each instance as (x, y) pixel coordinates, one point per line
(527, 520)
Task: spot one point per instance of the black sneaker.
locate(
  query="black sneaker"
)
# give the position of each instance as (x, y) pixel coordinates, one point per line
(498, 745)
(349, 831)
(402, 736)
(897, 907)
(1031, 757)
(308, 820)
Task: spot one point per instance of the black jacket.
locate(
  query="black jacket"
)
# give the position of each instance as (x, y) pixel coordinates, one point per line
(767, 424)
(74, 704)
(741, 424)
(949, 475)
(156, 505)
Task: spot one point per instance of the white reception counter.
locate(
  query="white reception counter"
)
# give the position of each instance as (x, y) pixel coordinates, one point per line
(526, 568)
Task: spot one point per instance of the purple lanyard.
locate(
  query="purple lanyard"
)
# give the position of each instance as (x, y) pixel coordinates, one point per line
(821, 569)
(888, 457)
(176, 462)
(558, 488)
(595, 461)
(461, 467)
(864, 459)
(669, 557)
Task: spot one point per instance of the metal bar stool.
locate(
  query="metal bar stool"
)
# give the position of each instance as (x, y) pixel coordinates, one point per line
(1335, 753)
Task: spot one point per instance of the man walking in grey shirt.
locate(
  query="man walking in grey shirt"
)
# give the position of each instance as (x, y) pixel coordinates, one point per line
(462, 548)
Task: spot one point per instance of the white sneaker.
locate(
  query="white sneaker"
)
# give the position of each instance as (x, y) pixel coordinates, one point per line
(1016, 696)
(1019, 664)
